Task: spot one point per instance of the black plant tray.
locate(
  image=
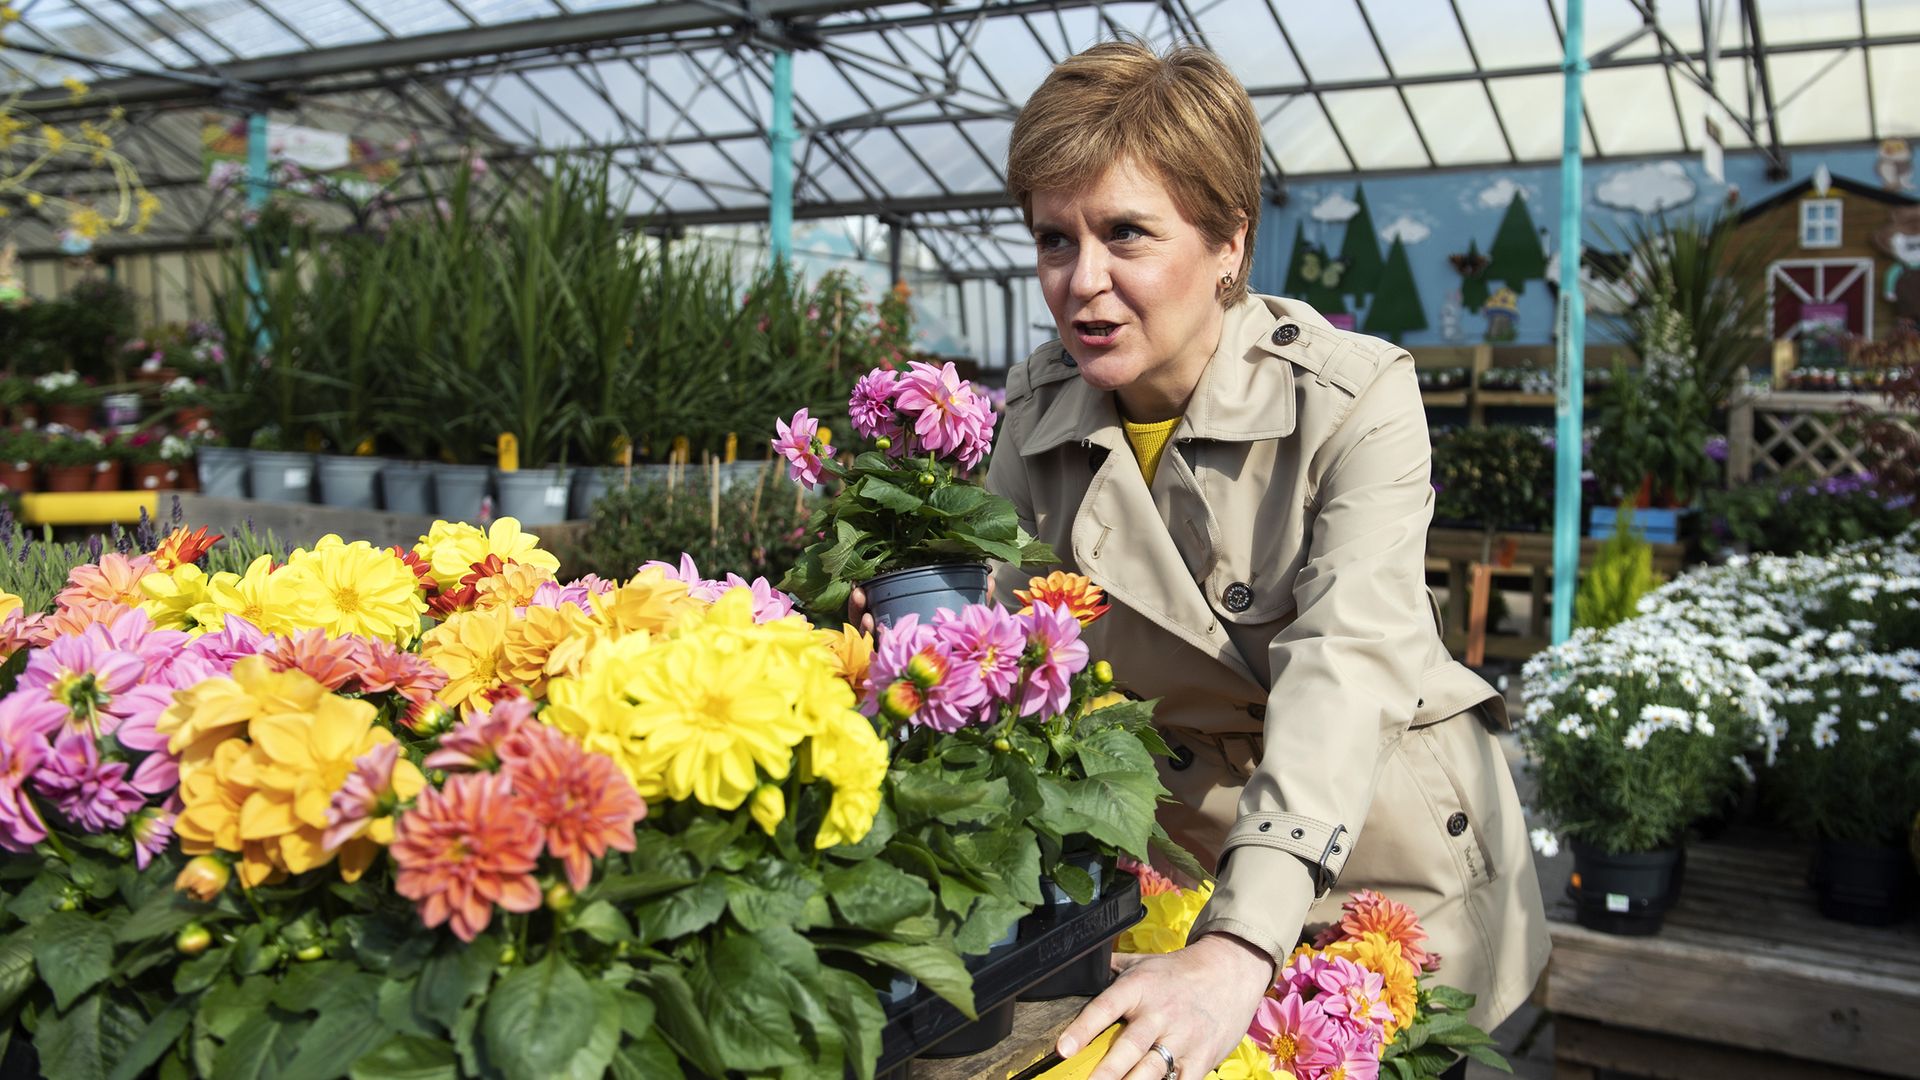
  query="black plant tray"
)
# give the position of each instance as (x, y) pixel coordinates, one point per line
(1048, 941)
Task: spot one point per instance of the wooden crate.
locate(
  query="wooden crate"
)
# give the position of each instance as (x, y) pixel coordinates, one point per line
(1746, 979)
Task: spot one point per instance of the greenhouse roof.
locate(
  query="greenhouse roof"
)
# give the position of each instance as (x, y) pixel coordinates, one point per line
(904, 109)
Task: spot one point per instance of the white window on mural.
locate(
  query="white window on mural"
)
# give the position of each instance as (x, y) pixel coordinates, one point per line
(1820, 223)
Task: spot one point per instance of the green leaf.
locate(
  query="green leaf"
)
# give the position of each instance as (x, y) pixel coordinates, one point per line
(887, 496)
(992, 917)
(678, 1018)
(937, 968)
(647, 1058)
(770, 893)
(1450, 999)
(1115, 808)
(1490, 1058)
(198, 973)
(88, 1040)
(163, 914)
(260, 1047)
(1112, 750)
(752, 1027)
(16, 968)
(454, 975)
(958, 500)
(857, 1010)
(73, 953)
(591, 1059)
(916, 793)
(154, 1040)
(537, 1017)
(339, 1036)
(1075, 882)
(407, 1057)
(1012, 855)
(392, 945)
(874, 895)
(1176, 856)
(682, 911)
(626, 888)
(602, 922)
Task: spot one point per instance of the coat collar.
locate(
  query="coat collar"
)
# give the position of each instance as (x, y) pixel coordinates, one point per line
(1243, 395)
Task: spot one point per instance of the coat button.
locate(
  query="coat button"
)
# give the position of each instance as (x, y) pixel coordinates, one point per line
(1258, 712)
(1238, 597)
(1285, 333)
(1456, 824)
(1182, 757)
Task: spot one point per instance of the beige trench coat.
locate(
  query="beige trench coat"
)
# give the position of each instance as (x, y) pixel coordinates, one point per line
(1269, 588)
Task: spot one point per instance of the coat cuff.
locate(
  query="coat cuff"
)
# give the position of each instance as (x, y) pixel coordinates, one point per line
(1262, 897)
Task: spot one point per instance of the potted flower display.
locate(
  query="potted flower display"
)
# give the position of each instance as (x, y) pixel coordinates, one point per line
(1848, 772)
(71, 459)
(1636, 733)
(158, 461)
(909, 523)
(187, 400)
(19, 459)
(66, 399)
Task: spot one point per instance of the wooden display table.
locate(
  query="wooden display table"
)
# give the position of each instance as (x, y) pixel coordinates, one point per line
(1745, 980)
(1036, 1027)
(1454, 550)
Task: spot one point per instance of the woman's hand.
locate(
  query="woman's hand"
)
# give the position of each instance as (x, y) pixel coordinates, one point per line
(1196, 1003)
(857, 610)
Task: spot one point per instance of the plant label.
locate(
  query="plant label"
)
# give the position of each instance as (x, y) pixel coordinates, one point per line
(1617, 903)
(556, 496)
(296, 478)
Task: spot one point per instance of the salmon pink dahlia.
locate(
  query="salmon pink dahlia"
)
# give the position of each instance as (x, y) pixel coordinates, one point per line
(465, 848)
(584, 804)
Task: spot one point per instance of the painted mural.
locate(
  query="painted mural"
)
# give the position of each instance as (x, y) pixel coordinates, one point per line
(1471, 256)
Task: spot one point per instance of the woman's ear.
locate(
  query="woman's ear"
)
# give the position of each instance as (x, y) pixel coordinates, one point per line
(1235, 249)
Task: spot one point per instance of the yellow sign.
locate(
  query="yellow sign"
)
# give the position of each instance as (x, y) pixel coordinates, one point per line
(733, 448)
(509, 452)
(1079, 1066)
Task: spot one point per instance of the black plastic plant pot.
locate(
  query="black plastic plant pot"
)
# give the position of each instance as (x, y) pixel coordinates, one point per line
(923, 590)
(1864, 884)
(1084, 977)
(1625, 894)
(1046, 944)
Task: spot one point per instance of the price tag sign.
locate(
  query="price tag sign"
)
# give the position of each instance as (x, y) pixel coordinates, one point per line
(1618, 903)
(296, 478)
(556, 496)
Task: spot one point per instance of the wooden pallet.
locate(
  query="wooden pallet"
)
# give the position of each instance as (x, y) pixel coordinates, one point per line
(1745, 979)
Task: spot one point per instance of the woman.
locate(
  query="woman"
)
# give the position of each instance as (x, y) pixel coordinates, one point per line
(1250, 486)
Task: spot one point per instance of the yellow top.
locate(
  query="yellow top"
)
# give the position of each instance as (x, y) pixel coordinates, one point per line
(1149, 441)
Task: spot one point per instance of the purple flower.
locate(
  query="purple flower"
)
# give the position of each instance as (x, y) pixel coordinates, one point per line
(688, 574)
(86, 673)
(871, 406)
(25, 721)
(989, 640)
(152, 831)
(1053, 639)
(795, 443)
(1716, 447)
(91, 793)
(916, 681)
(227, 645)
(945, 414)
(769, 603)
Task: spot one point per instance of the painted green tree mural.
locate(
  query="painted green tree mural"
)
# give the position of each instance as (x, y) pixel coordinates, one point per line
(1296, 285)
(1517, 255)
(1396, 307)
(1473, 279)
(1360, 249)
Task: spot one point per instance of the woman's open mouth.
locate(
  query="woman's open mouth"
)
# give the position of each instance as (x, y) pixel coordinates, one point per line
(1096, 334)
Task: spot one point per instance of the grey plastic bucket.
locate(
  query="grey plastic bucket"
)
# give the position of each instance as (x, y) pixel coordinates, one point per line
(406, 487)
(535, 496)
(923, 590)
(280, 476)
(459, 489)
(589, 487)
(223, 472)
(350, 482)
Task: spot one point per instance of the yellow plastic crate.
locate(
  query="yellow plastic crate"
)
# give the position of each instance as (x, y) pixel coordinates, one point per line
(87, 507)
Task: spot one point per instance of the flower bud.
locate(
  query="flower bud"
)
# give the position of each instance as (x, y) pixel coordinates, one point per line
(311, 952)
(900, 701)
(883, 443)
(926, 479)
(1102, 673)
(192, 940)
(509, 954)
(560, 897)
(1002, 744)
(203, 878)
(927, 670)
(769, 807)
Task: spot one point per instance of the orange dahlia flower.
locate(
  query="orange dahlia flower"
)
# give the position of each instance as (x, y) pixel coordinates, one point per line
(1077, 594)
(465, 847)
(583, 803)
(182, 547)
(332, 662)
(1368, 912)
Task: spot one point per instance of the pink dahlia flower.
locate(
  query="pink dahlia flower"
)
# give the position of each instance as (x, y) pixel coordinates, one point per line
(582, 801)
(367, 794)
(86, 673)
(490, 741)
(795, 443)
(91, 793)
(871, 406)
(769, 603)
(1053, 634)
(688, 574)
(151, 830)
(1298, 1035)
(385, 670)
(25, 722)
(988, 639)
(333, 662)
(945, 413)
(465, 848)
(1351, 992)
(916, 681)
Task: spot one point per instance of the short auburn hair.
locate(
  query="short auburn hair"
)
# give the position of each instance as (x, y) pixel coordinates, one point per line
(1182, 115)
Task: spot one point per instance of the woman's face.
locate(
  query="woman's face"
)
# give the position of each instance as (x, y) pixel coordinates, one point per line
(1133, 287)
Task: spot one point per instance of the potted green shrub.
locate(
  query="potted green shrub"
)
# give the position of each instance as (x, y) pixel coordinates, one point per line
(70, 459)
(1635, 734)
(909, 522)
(1651, 448)
(67, 399)
(19, 459)
(1848, 772)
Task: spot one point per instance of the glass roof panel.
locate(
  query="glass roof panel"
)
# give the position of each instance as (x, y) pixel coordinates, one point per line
(1244, 34)
(1510, 34)
(1301, 137)
(1785, 21)
(1421, 36)
(1612, 21)
(1458, 122)
(1896, 85)
(941, 146)
(1531, 106)
(1822, 96)
(1893, 17)
(1632, 110)
(1377, 129)
(1332, 39)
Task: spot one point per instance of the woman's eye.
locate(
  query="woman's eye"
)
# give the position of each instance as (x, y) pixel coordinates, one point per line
(1049, 241)
(1127, 232)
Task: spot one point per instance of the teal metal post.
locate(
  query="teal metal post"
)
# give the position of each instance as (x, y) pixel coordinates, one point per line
(1571, 366)
(780, 210)
(259, 182)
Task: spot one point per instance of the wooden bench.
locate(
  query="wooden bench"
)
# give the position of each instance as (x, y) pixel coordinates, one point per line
(1454, 550)
(1746, 979)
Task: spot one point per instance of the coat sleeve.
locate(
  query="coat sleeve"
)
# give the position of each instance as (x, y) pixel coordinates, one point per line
(1346, 672)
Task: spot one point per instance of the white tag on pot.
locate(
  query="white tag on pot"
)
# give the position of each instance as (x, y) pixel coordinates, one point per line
(295, 478)
(556, 496)
(1617, 902)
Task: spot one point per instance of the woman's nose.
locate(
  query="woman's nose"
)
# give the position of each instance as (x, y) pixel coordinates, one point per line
(1090, 272)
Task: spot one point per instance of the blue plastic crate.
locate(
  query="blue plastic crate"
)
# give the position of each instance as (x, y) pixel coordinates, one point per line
(1657, 526)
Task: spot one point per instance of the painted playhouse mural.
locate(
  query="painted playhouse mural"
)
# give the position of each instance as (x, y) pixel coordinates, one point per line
(1466, 257)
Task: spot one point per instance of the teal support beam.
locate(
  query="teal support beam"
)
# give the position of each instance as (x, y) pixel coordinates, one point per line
(259, 189)
(1571, 361)
(780, 211)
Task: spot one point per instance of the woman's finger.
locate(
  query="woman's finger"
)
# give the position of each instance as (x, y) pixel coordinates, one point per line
(1113, 1003)
(1152, 1066)
(1131, 1057)
(1120, 961)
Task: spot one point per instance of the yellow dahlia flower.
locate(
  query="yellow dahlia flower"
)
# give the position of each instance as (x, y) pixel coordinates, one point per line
(354, 589)
(452, 547)
(259, 596)
(649, 604)
(203, 716)
(848, 754)
(471, 648)
(1170, 917)
(546, 643)
(512, 587)
(181, 599)
(1249, 1062)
